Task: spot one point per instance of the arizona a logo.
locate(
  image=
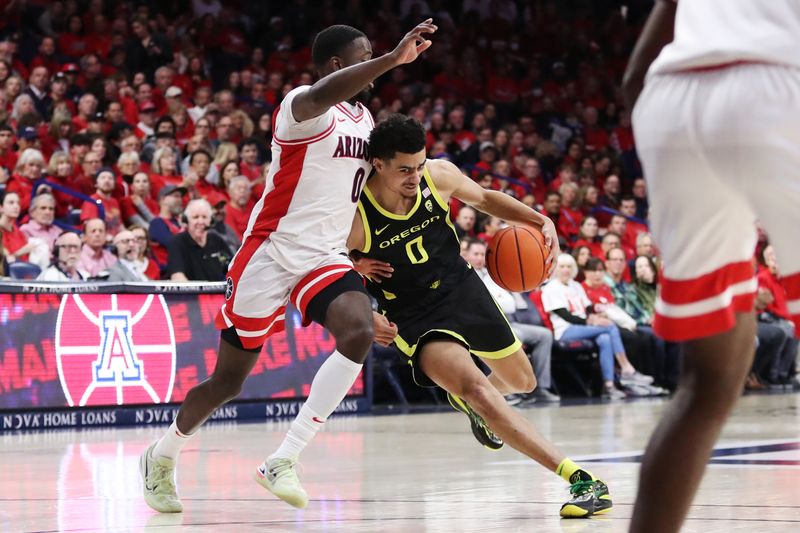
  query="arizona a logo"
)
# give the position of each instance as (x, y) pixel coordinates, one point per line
(115, 349)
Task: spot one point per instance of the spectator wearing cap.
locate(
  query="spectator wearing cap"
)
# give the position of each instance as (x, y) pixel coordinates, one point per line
(66, 258)
(97, 124)
(197, 254)
(128, 266)
(71, 72)
(139, 207)
(237, 212)
(87, 107)
(147, 120)
(37, 90)
(104, 182)
(166, 224)
(29, 169)
(40, 226)
(8, 156)
(95, 258)
(27, 137)
(487, 156)
(173, 94)
(220, 226)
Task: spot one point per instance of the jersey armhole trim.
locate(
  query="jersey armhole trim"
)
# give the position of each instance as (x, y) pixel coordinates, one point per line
(367, 231)
(307, 140)
(435, 191)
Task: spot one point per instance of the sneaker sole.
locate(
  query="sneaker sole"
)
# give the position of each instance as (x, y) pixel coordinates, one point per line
(573, 511)
(293, 500)
(455, 403)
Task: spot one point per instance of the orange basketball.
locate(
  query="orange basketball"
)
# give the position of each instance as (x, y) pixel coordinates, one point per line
(515, 258)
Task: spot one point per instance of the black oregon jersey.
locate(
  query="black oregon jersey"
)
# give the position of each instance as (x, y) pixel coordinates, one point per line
(421, 246)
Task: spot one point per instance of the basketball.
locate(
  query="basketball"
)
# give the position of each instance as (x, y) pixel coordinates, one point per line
(516, 258)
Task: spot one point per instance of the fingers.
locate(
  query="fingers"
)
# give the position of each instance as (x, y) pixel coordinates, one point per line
(424, 46)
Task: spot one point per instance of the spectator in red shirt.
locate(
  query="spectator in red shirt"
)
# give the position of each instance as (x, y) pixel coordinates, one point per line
(139, 207)
(588, 236)
(87, 107)
(571, 216)
(164, 169)
(596, 137)
(627, 206)
(104, 182)
(73, 44)
(147, 120)
(46, 56)
(248, 151)
(15, 243)
(581, 254)
(8, 157)
(618, 225)
(29, 169)
(237, 212)
(532, 175)
(195, 179)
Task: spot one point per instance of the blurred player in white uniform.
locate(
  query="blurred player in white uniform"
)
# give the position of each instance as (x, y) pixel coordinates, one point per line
(294, 250)
(717, 127)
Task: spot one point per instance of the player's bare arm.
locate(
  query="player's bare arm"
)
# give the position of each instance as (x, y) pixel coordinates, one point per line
(657, 33)
(346, 82)
(450, 181)
(356, 241)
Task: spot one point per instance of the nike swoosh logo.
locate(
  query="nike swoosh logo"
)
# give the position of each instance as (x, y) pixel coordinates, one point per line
(317, 420)
(379, 231)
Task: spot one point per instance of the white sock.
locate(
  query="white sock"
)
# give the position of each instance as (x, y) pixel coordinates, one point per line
(171, 444)
(329, 387)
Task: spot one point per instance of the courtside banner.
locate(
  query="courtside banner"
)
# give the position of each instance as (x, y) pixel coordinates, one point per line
(119, 354)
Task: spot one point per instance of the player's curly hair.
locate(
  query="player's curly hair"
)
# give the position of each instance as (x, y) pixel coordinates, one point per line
(398, 133)
(332, 41)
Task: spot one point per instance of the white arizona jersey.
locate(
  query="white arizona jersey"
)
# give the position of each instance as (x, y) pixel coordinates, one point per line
(718, 32)
(318, 169)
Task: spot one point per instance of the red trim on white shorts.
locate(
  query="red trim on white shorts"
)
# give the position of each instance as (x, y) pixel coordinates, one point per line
(706, 305)
(274, 207)
(687, 291)
(792, 285)
(313, 283)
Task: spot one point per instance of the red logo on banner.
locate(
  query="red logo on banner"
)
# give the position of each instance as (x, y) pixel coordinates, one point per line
(115, 349)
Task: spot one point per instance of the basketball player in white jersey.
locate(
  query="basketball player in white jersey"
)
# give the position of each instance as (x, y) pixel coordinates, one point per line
(717, 127)
(294, 250)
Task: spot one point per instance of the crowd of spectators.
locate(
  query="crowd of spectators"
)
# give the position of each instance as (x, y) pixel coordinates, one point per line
(134, 138)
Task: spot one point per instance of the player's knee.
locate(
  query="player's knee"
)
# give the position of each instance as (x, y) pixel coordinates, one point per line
(527, 382)
(227, 386)
(478, 394)
(355, 341)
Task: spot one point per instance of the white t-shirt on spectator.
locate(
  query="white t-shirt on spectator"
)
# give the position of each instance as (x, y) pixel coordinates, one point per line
(503, 298)
(572, 297)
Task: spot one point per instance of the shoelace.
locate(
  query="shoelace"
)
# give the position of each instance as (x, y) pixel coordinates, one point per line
(581, 487)
(164, 474)
(481, 422)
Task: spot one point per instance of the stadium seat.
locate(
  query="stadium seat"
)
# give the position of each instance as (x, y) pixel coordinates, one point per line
(23, 270)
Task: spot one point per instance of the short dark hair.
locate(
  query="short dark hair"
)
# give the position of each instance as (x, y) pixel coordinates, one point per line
(6, 127)
(332, 41)
(593, 264)
(249, 141)
(398, 133)
(627, 198)
(200, 151)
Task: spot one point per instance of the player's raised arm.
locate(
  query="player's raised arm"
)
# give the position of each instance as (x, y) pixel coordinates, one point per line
(452, 182)
(343, 78)
(657, 33)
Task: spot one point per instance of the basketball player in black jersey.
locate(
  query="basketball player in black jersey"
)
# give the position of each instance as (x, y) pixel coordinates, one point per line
(434, 307)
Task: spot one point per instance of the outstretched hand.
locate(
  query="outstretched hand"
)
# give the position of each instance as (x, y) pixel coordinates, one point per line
(413, 44)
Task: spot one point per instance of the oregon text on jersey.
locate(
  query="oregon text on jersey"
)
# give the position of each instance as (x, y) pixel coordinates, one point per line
(405, 233)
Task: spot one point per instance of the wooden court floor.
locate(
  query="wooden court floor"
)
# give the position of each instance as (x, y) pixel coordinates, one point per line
(400, 473)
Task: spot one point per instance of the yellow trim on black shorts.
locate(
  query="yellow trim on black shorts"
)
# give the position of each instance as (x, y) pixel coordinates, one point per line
(404, 347)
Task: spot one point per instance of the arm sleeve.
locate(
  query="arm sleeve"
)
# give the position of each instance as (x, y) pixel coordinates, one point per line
(288, 129)
(175, 259)
(160, 233)
(569, 317)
